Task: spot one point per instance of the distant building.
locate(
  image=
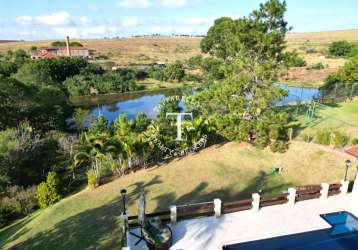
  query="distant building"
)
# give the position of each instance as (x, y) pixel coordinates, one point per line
(53, 52)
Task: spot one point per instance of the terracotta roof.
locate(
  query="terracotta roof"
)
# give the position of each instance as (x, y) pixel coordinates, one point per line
(353, 151)
(43, 54)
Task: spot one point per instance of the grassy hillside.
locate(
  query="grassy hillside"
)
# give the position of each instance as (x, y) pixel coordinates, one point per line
(90, 219)
(324, 36)
(167, 49)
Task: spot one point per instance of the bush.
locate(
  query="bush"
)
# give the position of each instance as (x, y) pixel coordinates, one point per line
(47, 192)
(354, 51)
(114, 81)
(195, 62)
(323, 137)
(340, 139)
(175, 71)
(63, 43)
(342, 79)
(16, 203)
(279, 146)
(311, 51)
(316, 66)
(91, 179)
(307, 138)
(157, 74)
(355, 141)
(340, 48)
(293, 59)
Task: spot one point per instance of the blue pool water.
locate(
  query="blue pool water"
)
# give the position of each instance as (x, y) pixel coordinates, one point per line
(343, 235)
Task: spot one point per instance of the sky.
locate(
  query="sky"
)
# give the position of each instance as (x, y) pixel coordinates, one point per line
(45, 19)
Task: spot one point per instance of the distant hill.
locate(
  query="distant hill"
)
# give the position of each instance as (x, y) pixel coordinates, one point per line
(9, 41)
(324, 36)
(125, 51)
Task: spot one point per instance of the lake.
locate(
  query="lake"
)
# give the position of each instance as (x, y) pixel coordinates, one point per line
(111, 106)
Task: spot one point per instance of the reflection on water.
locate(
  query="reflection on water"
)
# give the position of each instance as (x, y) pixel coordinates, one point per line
(298, 94)
(148, 103)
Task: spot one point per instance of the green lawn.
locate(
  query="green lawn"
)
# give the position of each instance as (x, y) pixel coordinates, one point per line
(342, 117)
(90, 219)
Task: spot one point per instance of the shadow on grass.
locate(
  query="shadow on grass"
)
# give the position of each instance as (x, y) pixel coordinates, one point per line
(16, 230)
(264, 183)
(100, 228)
(97, 228)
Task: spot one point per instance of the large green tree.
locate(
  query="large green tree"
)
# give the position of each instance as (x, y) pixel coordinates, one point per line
(251, 51)
(45, 107)
(344, 82)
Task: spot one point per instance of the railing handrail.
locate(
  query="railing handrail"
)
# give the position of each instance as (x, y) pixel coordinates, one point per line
(207, 208)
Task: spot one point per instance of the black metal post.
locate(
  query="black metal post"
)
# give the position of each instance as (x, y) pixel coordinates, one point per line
(348, 164)
(123, 195)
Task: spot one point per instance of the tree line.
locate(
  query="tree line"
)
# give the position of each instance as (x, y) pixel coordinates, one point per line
(41, 160)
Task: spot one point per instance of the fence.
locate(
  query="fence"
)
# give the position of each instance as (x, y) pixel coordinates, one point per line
(216, 207)
(304, 95)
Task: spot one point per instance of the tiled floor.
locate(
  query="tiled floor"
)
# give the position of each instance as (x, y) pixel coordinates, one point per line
(212, 233)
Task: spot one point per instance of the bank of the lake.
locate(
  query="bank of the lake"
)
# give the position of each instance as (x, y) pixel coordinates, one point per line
(147, 102)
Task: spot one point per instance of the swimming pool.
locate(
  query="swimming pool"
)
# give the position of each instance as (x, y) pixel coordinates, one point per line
(343, 235)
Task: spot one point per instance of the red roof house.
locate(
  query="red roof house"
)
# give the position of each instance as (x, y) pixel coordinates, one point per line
(353, 151)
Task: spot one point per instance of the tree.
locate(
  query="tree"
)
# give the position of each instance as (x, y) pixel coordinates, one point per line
(175, 71)
(44, 72)
(80, 116)
(62, 43)
(340, 48)
(27, 156)
(195, 62)
(344, 81)
(7, 68)
(251, 49)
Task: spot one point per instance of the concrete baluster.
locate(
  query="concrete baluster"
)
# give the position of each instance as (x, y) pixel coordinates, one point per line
(255, 202)
(217, 207)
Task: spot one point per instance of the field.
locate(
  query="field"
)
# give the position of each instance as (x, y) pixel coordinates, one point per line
(166, 49)
(341, 117)
(90, 219)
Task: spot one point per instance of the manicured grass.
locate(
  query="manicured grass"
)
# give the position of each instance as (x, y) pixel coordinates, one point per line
(342, 117)
(90, 219)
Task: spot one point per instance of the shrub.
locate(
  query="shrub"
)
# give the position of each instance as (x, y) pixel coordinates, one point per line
(323, 137)
(340, 48)
(293, 59)
(311, 51)
(316, 66)
(355, 141)
(279, 146)
(195, 62)
(340, 139)
(307, 138)
(354, 51)
(175, 71)
(91, 179)
(157, 74)
(47, 192)
(4, 183)
(63, 43)
(9, 210)
(17, 202)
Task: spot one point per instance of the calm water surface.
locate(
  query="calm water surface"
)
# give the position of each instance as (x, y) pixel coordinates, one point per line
(148, 103)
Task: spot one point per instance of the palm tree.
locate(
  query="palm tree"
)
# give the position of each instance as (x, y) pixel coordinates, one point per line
(94, 149)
